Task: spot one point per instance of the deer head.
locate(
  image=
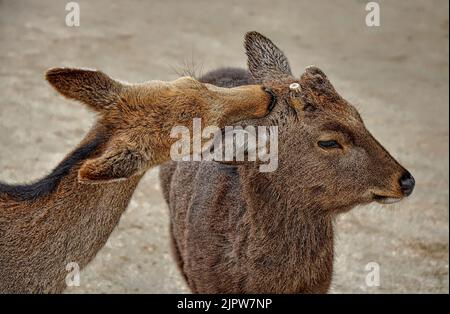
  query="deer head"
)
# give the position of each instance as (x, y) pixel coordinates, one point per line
(326, 154)
(136, 119)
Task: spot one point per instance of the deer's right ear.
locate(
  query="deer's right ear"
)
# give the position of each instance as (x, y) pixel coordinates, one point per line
(117, 163)
(265, 60)
(91, 87)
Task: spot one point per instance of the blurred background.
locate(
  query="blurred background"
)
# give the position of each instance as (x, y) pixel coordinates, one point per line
(396, 74)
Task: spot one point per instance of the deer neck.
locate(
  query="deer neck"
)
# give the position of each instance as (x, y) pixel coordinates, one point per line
(284, 222)
(64, 221)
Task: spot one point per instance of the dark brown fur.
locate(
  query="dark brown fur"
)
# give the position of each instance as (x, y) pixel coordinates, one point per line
(65, 217)
(238, 230)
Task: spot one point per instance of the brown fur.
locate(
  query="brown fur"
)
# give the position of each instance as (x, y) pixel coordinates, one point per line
(63, 218)
(238, 230)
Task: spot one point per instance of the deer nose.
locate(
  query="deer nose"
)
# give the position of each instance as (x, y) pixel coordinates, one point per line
(407, 183)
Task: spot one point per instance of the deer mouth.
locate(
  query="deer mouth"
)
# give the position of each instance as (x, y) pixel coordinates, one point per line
(382, 199)
(273, 99)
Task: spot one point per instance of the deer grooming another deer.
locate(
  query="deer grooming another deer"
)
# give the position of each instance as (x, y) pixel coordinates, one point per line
(65, 218)
(237, 230)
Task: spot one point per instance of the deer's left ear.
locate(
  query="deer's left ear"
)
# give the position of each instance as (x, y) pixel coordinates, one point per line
(117, 163)
(94, 88)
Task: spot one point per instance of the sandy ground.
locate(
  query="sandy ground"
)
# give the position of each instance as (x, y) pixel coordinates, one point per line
(397, 74)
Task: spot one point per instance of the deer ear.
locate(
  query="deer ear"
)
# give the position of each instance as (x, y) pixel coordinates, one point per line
(316, 80)
(265, 60)
(117, 163)
(91, 87)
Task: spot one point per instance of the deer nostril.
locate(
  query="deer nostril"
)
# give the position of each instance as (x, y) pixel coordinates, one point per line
(407, 183)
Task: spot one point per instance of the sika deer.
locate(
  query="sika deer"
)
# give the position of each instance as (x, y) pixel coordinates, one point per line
(62, 218)
(235, 229)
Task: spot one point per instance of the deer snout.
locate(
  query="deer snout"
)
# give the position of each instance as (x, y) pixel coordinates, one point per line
(400, 188)
(407, 183)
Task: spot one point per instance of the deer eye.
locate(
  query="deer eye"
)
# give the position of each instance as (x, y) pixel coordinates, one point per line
(329, 144)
